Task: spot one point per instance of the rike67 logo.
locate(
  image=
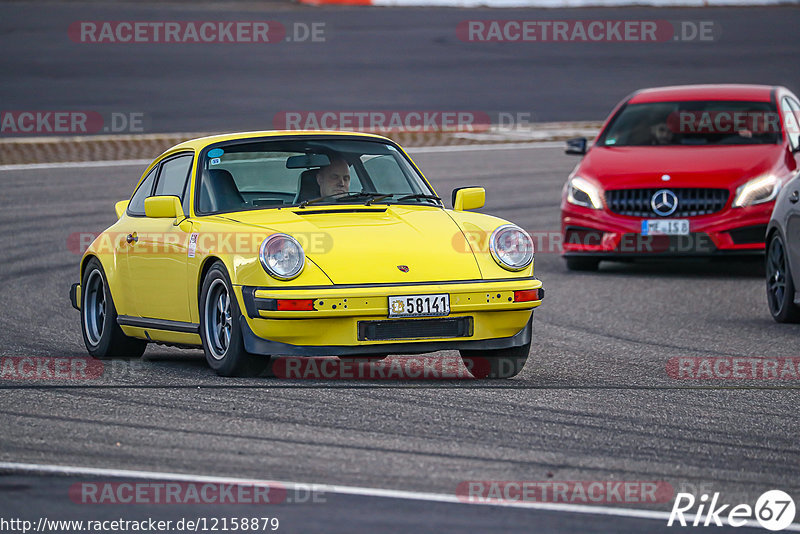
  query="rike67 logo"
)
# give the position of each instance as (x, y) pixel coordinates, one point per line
(774, 510)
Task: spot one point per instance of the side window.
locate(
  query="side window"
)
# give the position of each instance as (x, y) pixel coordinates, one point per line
(136, 205)
(172, 179)
(791, 113)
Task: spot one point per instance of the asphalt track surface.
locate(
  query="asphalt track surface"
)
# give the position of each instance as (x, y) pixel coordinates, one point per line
(371, 59)
(594, 402)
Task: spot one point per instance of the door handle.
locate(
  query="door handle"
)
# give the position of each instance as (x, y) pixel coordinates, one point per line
(794, 197)
(132, 238)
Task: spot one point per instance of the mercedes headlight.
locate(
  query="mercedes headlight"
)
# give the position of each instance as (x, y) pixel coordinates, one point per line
(757, 191)
(581, 192)
(511, 247)
(282, 256)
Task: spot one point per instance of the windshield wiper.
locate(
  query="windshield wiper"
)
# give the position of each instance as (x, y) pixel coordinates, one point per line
(377, 198)
(372, 197)
(369, 195)
(420, 195)
(305, 203)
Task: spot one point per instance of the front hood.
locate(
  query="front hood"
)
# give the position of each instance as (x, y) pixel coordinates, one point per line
(360, 245)
(687, 166)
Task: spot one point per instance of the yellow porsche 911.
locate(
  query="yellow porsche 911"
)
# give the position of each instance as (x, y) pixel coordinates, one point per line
(264, 244)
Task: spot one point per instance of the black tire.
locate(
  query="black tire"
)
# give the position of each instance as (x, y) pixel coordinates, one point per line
(578, 263)
(780, 286)
(220, 329)
(501, 363)
(101, 334)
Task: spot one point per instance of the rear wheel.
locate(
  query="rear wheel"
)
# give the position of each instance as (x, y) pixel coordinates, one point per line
(101, 334)
(220, 330)
(578, 263)
(500, 363)
(780, 287)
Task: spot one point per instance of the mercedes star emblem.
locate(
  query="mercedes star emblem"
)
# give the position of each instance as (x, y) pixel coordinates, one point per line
(664, 202)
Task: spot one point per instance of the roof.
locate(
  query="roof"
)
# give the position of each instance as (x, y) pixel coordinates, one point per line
(201, 142)
(750, 93)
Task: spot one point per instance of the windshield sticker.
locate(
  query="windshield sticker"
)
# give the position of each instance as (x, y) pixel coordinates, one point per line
(612, 141)
(214, 161)
(215, 152)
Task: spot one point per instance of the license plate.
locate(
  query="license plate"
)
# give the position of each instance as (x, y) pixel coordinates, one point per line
(665, 227)
(419, 305)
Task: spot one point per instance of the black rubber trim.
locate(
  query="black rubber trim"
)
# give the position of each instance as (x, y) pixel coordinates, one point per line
(158, 324)
(399, 284)
(73, 296)
(252, 304)
(304, 211)
(256, 345)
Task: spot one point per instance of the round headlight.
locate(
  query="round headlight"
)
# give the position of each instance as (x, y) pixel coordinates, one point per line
(511, 247)
(282, 256)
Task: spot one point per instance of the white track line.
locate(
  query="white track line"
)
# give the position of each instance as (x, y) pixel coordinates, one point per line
(26, 468)
(471, 148)
(76, 164)
(145, 162)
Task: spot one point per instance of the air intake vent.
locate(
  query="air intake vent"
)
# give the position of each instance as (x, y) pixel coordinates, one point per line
(414, 329)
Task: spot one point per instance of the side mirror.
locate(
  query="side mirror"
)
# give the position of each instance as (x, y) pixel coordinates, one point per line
(120, 207)
(576, 145)
(468, 198)
(163, 207)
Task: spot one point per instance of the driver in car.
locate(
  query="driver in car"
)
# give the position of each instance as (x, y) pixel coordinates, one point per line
(661, 134)
(334, 179)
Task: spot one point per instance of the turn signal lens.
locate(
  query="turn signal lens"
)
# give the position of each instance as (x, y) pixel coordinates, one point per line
(295, 305)
(528, 295)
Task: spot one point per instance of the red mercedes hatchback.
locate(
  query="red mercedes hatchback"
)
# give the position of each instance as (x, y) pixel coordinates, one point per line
(681, 171)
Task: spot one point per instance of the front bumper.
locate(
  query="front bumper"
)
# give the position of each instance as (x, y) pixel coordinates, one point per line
(603, 234)
(258, 345)
(354, 319)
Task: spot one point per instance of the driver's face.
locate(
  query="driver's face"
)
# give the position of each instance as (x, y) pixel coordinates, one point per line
(334, 179)
(662, 133)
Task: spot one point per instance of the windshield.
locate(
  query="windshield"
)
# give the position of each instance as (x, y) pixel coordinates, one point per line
(272, 174)
(694, 123)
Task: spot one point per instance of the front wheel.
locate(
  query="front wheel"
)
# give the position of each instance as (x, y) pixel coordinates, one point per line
(220, 330)
(101, 334)
(500, 363)
(780, 286)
